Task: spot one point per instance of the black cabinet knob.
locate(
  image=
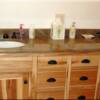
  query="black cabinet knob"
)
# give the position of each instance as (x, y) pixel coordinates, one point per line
(51, 80)
(50, 98)
(83, 78)
(81, 98)
(52, 62)
(86, 61)
(25, 81)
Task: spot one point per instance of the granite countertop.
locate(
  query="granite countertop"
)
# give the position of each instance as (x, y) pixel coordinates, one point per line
(42, 44)
(56, 46)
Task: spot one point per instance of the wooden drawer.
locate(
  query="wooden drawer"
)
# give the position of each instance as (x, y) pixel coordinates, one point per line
(52, 62)
(84, 61)
(49, 80)
(83, 77)
(15, 64)
(82, 93)
(50, 95)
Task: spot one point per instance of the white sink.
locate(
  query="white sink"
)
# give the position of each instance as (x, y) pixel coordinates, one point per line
(10, 44)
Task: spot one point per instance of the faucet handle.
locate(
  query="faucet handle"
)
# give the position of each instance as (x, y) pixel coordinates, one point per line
(5, 36)
(14, 35)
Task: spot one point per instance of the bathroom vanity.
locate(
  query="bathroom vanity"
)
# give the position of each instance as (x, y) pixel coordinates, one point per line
(50, 70)
(49, 76)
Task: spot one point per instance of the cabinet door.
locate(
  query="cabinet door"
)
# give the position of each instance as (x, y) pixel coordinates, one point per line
(14, 86)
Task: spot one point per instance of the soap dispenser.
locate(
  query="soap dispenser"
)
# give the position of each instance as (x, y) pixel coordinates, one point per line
(72, 31)
(21, 30)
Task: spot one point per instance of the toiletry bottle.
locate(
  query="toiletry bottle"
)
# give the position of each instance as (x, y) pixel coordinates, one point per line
(31, 33)
(21, 30)
(72, 31)
(58, 27)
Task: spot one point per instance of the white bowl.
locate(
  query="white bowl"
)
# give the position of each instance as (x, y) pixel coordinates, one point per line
(88, 36)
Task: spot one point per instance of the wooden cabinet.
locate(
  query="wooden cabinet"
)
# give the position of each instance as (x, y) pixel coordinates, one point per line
(67, 77)
(15, 76)
(14, 86)
(83, 77)
(50, 77)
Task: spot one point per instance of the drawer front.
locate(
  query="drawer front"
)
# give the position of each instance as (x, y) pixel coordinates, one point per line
(83, 77)
(50, 95)
(84, 61)
(47, 80)
(52, 62)
(15, 64)
(81, 93)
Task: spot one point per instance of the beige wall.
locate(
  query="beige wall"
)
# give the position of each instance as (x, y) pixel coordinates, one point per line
(40, 13)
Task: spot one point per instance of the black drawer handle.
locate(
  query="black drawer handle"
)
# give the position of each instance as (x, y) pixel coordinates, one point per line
(86, 61)
(50, 98)
(51, 80)
(81, 98)
(52, 62)
(83, 78)
(25, 82)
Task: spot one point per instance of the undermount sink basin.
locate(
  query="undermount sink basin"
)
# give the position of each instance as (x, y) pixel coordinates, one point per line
(10, 44)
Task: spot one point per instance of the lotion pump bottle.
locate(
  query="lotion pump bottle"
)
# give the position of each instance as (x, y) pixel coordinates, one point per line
(72, 31)
(31, 33)
(21, 30)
